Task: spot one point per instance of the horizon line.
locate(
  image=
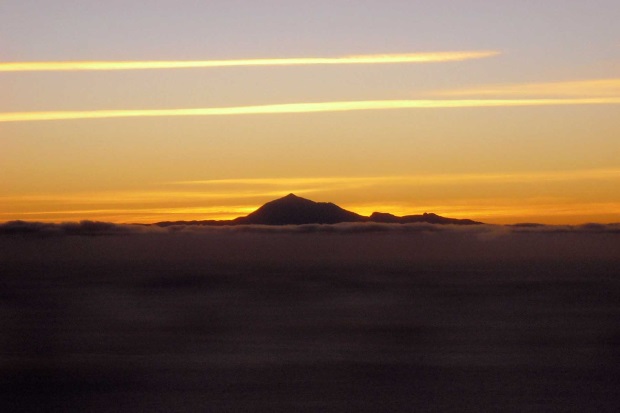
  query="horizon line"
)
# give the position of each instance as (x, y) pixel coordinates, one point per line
(248, 210)
(482, 214)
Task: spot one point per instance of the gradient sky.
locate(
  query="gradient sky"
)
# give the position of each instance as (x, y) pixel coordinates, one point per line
(499, 111)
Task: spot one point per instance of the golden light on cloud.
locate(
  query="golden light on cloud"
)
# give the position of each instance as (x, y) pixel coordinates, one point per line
(594, 87)
(498, 211)
(230, 198)
(431, 57)
(134, 206)
(138, 215)
(302, 108)
(507, 211)
(422, 179)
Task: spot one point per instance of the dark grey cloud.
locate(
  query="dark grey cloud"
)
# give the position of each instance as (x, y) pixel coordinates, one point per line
(369, 243)
(82, 228)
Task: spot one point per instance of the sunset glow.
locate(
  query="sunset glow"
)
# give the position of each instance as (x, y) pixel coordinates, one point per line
(129, 113)
(309, 206)
(230, 198)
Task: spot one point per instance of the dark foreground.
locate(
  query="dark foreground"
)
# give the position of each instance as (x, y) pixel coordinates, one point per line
(319, 322)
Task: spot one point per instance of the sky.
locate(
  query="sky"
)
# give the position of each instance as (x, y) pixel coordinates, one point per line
(129, 111)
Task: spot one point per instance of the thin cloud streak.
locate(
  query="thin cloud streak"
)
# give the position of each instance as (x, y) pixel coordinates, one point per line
(492, 209)
(230, 198)
(585, 174)
(114, 197)
(592, 87)
(234, 211)
(484, 210)
(135, 206)
(301, 108)
(431, 57)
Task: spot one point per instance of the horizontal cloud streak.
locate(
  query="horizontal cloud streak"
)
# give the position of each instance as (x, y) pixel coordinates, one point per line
(181, 64)
(422, 179)
(497, 210)
(342, 106)
(490, 197)
(590, 88)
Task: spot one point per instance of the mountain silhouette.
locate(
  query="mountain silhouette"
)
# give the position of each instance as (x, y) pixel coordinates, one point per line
(295, 210)
(429, 218)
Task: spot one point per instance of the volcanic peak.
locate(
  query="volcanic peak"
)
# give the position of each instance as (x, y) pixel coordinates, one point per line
(295, 210)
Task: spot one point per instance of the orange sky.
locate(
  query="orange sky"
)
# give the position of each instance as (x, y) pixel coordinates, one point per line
(375, 113)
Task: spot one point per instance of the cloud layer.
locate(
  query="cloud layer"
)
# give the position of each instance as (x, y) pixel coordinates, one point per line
(380, 245)
(96, 228)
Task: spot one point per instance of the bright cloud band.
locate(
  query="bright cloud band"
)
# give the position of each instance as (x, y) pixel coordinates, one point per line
(180, 64)
(593, 87)
(422, 179)
(301, 108)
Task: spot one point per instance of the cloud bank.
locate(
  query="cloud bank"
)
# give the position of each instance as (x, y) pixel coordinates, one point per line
(368, 244)
(97, 228)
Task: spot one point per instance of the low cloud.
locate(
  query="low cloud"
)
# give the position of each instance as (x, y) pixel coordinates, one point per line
(369, 244)
(96, 228)
(82, 228)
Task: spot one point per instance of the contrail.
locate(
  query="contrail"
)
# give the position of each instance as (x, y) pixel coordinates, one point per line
(181, 64)
(301, 108)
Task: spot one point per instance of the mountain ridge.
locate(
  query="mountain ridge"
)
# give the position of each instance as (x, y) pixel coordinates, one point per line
(295, 210)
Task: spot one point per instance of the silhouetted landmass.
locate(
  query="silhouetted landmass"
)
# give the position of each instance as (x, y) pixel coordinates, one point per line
(295, 210)
(429, 218)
